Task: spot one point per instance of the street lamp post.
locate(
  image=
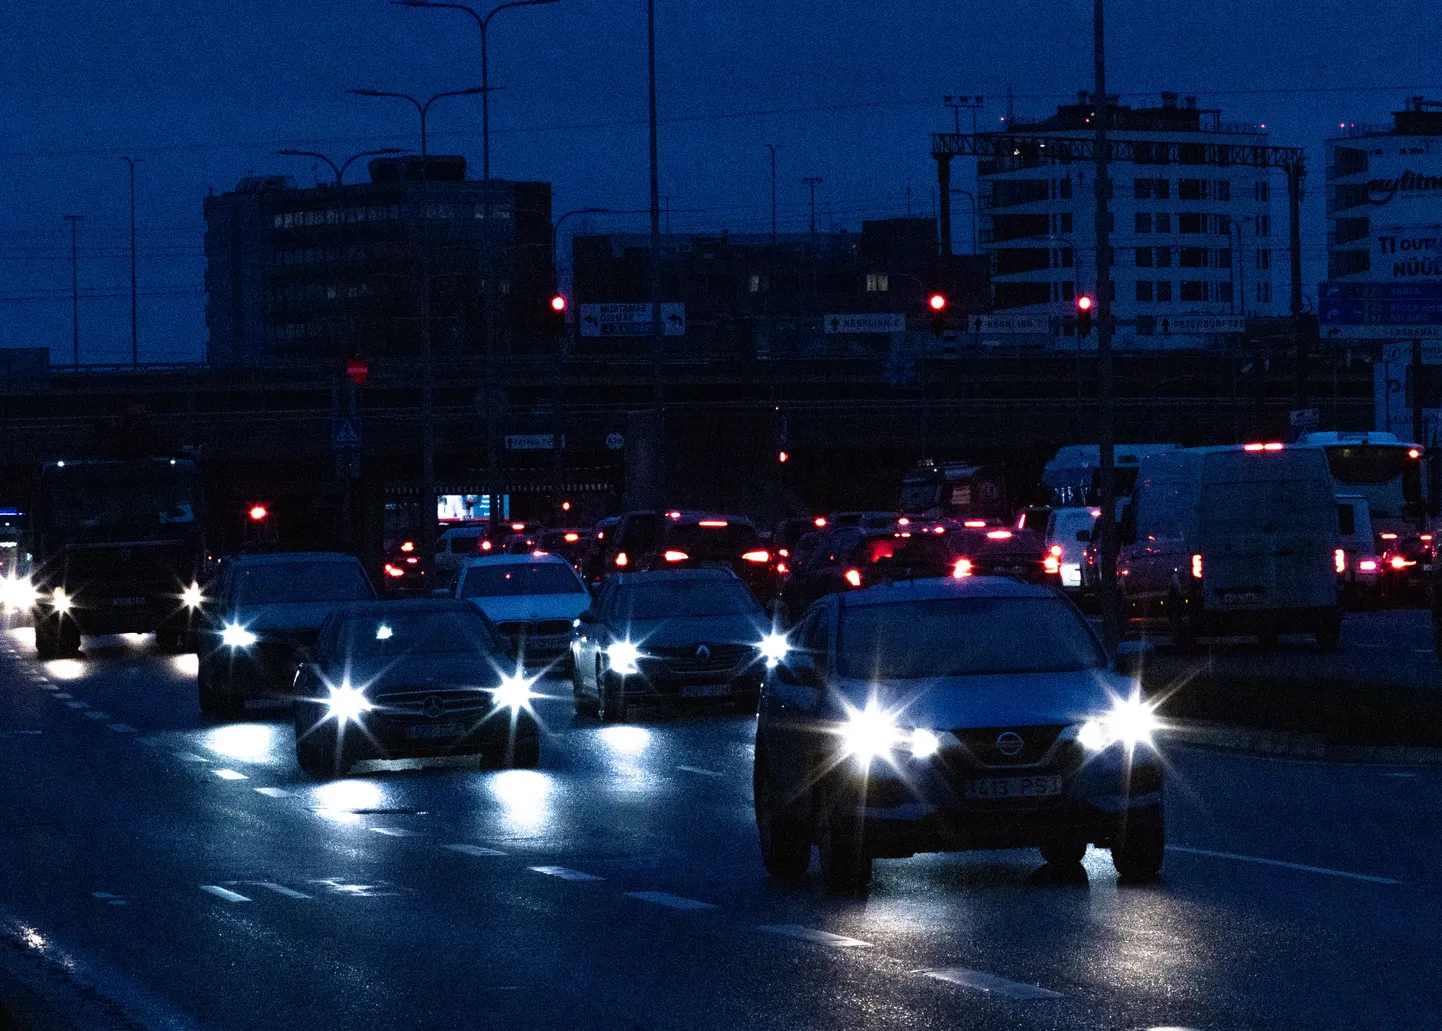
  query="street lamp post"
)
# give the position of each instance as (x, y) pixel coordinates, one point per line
(658, 454)
(74, 221)
(772, 147)
(134, 319)
(1106, 435)
(483, 22)
(428, 420)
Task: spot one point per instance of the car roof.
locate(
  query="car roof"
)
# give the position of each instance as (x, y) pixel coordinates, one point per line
(939, 589)
(276, 558)
(464, 531)
(652, 576)
(404, 605)
(513, 560)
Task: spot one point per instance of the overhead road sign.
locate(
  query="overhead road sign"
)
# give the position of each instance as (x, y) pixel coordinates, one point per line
(1204, 324)
(1011, 324)
(631, 320)
(892, 322)
(532, 442)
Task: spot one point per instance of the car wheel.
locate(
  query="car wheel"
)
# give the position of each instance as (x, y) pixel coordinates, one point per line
(585, 705)
(317, 750)
(522, 750)
(785, 843)
(68, 638)
(47, 639)
(1064, 851)
(213, 691)
(845, 866)
(613, 699)
(1139, 850)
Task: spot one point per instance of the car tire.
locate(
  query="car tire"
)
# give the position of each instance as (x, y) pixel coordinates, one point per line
(1139, 850)
(785, 842)
(845, 865)
(524, 751)
(612, 700)
(47, 639)
(218, 703)
(585, 705)
(1064, 851)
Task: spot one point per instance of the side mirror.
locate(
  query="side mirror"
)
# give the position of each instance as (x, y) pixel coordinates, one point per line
(1084, 536)
(1133, 657)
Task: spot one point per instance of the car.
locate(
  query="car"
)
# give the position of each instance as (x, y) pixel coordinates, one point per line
(669, 635)
(1068, 532)
(598, 551)
(695, 541)
(1003, 551)
(455, 546)
(401, 679)
(568, 542)
(864, 520)
(532, 600)
(518, 544)
(1359, 579)
(403, 571)
(1033, 517)
(1406, 568)
(952, 714)
(264, 608)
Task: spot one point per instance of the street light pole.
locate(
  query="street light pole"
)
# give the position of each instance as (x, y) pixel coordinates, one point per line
(428, 420)
(772, 147)
(811, 181)
(1106, 435)
(134, 319)
(971, 197)
(658, 456)
(74, 221)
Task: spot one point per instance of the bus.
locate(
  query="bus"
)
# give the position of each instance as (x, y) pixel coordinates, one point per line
(956, 490)
(1382, 469)
(1073, 475)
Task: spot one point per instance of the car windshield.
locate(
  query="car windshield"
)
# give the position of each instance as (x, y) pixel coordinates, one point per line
(515, 578)
(299, 582)
(120, 497)
(391, 634)
(660, 599)
(954, 637)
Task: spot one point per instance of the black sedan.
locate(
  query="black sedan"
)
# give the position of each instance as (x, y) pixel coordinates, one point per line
(670, 636)
(413, 678)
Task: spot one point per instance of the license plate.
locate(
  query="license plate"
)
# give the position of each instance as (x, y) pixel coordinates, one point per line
(128, 603)
(1013, 787)
(429, 731)
(1240, 597)
(705, 690)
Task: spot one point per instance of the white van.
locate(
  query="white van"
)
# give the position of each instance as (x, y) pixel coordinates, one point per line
(1361, 580)
(1068, 530)
(1234, 540)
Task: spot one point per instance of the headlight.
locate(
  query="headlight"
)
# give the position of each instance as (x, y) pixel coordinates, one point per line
(192, 597)
(17, 593)
(347, 703)
(623, 656)
(773, 648)
(923, 743)
(872, 733)
(513, 691)
(1131, 721)
(236, 636)
(60, 601)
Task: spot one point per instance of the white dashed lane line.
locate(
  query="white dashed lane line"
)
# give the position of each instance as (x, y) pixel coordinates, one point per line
(1371, 878)
(78, 704)
(670, 901)
(565, 874)
(472, 850)
(398, 832)
(191, 757)
(20, 733)
(700, 772)
(224, 893)
(229, 775)
(123, 728)
(991, 984)
(279, 889)
(96, 714)
(274, 792)
(839, 941)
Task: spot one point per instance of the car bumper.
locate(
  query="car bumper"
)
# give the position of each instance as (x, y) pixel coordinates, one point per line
(1222, 622)
(666, 685)
(381, 736)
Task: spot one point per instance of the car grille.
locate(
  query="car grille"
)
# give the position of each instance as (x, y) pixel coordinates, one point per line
(517, 628)
(415, 700)
(981, 744)
(551, 627)
(723, 657)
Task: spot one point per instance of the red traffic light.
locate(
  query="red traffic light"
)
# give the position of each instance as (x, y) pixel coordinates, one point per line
(937, 302)
(782, 456)
(258, 513)
(558, 303)
(1084, 303)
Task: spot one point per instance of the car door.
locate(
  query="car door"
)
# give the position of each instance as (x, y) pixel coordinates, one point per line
(791, 700)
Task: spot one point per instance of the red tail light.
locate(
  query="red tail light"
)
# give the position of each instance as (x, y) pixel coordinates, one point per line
(621, 558)
(572, 538)
(1388, 536)
(961, 569)
(486, 545)
(903, 521)
(756, 556)
(1412, 452)
(1398, 562)
(1340, 559)
(782, 568)
(712, 524)
(819, 522)
(853, 577)
(670, 556)
(412, 561)
(1051, 565)
(1196, 567)
(783, 553)
(1367, 565)
(394, 570)
(408, 546)
(1056, 551)
(974, 524)
(998, 535)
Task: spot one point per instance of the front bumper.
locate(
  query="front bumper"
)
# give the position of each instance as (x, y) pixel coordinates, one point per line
(385, 735)
(660, 681)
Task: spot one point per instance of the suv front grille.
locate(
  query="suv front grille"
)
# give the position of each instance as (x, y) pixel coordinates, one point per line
(692, 659)
(988, 746)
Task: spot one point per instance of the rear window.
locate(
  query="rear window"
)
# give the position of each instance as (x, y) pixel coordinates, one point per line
(714, 542)
(639, 532)
(464, 545)
(1267, 506)
(517, 578)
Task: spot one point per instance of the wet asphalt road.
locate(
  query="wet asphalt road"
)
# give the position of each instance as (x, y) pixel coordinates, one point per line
(205, 882)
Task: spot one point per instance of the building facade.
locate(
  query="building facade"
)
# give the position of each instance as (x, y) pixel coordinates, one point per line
(1190, 236)
(317, 274)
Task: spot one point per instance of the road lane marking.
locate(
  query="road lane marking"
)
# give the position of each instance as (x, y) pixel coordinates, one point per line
(398, 832)
(191, 757)
(19, 733)
(991, 984)
(229, 775)
(565, 874)
(279, 889)
(662, 898)
(113, 900)
(274, 792)
(808, 934)
(699, 770)
(123, 728)
(63, 694)
(78, 705)
(472, 850)
(1372, 878)
(224, 893)
(96, 714)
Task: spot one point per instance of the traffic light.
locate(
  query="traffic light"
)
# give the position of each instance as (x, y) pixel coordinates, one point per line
(258, 513)
(937, 303)
(556, 315)
(558, 303)
(1083, 316)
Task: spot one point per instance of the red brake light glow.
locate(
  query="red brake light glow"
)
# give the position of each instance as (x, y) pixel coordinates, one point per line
(1424, 537)
(1251, 447)
(1367, 565)
(1388, 536)
(673, 514)
(394, 570)
(712, 524)
(1051, 565)
(1196, 567)
(903, 521)
(621, 558)
(486, 545)
(962, 568)
(1414, 453)
(783, 553)
(539, 554)
(998, 535)
(1398, 562)
(258, 512)
(518, 527)
(1340, 558)
(760, 555)
(1056, 551)
(408, 546)
(572, 538)
(974, 524)
(412, 560)
(819, 522)
(853, 577)
(938, 529)
(782, 568)
(675, 556)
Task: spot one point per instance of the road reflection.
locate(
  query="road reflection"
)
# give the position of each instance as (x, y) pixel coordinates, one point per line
(525, 796)
(248, 742)
(65, 669)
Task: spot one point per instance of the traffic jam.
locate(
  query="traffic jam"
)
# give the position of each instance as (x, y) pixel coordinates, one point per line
(927, 677)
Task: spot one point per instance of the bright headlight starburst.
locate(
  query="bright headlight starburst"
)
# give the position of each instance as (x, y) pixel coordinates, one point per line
(60, 600)
(871, 733)
(192, 596)
(623, 656)
(514, 692)
(236, 636)
(347, 703)
(1132, 721)
(774, 648)
(16, 593)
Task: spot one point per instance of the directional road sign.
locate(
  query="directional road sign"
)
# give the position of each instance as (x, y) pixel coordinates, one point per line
(891, 322)
(1011, 324)
(631, 320)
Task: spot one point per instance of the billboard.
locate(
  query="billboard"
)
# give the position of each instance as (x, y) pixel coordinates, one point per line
(1403, 209)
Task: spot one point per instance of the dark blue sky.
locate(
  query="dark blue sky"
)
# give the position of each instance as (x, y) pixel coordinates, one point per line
(202, 92)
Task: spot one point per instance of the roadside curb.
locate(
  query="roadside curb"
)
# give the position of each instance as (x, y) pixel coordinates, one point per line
(1294, 745)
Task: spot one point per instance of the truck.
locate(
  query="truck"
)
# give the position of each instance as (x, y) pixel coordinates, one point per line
(957, 490)
(118, 547)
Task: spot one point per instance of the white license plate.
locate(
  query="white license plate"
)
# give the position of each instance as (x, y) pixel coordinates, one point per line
(128, 603)
(428, 731)
(1013, 787)
(705, 690)
(1240, 597)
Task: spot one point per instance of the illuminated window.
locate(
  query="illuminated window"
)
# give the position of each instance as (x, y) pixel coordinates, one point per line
(876, 282)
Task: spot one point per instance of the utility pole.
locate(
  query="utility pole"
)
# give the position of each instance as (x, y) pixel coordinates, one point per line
(74, 221)
(134, 319)
(811, 181)
(658, 458)
(772, 148)
(1106, 435)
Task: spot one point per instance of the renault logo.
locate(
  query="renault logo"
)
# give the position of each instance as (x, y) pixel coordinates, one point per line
(1009, 744)
(433, 707)
(703, 653)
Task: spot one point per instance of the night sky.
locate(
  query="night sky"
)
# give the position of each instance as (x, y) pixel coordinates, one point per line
(203, 92)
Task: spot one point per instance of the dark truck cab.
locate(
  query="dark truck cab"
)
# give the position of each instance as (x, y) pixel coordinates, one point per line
(119, 547)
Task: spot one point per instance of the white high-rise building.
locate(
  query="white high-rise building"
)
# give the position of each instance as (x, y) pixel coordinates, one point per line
(1192, 231)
